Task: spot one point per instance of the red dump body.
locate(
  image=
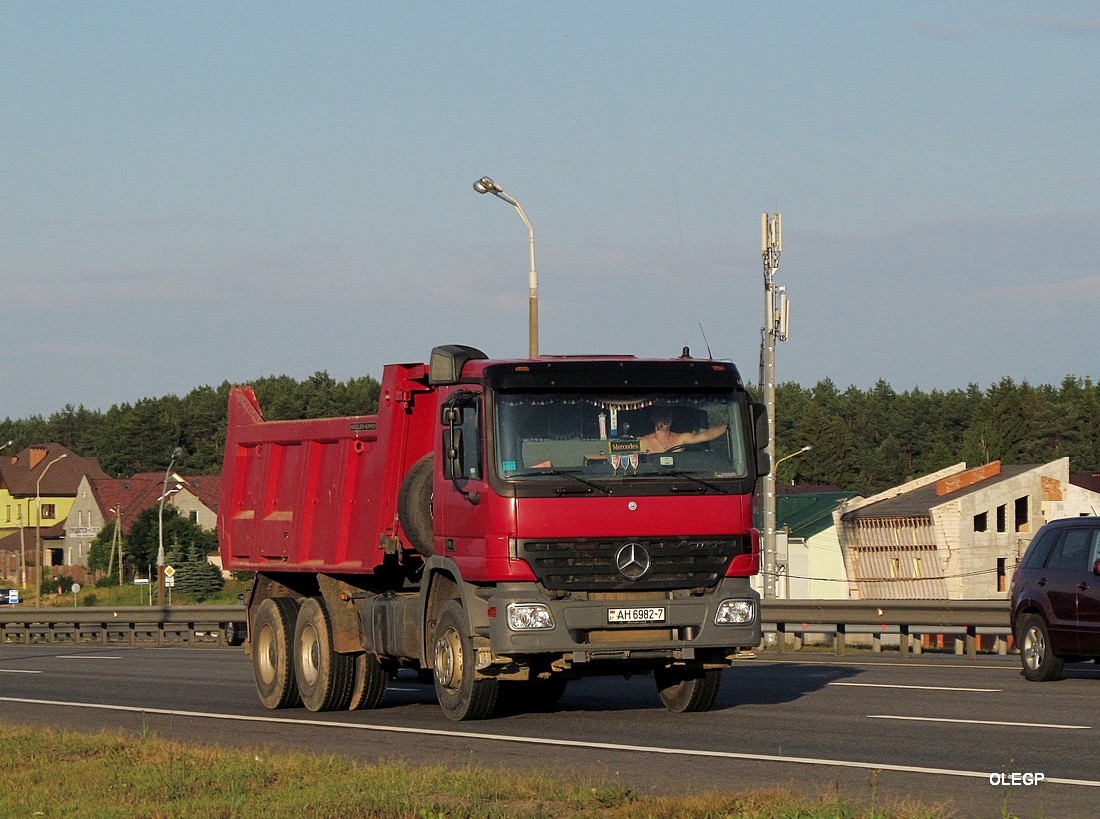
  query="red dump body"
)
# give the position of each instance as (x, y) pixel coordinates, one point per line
(320, 494)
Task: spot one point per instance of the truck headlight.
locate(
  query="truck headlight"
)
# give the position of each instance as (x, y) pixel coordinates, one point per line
(529, 616)
(734, 612)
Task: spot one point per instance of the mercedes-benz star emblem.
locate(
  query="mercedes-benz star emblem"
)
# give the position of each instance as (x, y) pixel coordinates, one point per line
(632, 561)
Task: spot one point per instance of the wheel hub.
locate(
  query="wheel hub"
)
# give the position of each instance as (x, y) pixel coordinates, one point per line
(448, 660)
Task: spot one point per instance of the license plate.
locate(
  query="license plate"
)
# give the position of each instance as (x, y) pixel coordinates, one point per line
(636, 615)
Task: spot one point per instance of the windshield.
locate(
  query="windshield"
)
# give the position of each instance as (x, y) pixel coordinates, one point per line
(609, 436)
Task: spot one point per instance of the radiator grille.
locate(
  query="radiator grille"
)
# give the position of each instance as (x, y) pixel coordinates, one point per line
(590, 564)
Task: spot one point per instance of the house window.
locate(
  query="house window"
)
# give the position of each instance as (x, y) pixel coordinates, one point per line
(895, 567)
(981, 522)
(918, 569)
(1002, 518)
(48, 510)
(1001, 586)
(1021, 514)
(194, 515)
(7, 512)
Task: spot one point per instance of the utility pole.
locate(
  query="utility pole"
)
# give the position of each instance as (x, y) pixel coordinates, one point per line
(775, 330)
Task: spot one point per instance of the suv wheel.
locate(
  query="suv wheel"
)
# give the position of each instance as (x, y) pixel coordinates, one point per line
(1036, 654)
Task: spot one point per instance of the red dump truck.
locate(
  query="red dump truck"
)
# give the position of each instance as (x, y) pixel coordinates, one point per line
(502, 527)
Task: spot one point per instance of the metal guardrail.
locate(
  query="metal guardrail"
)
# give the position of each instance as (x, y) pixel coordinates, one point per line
(787, 624)
(903, 620)
(190, 626)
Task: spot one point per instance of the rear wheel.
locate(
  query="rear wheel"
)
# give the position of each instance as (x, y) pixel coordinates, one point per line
(272, 649)
(1036, 654)
(324, 677)
(461, 695)
(369, 687)
(687, 689)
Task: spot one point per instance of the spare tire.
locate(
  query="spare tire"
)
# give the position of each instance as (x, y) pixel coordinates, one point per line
(414, 505)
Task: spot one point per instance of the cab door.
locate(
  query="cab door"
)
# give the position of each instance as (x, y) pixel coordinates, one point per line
(461, 490)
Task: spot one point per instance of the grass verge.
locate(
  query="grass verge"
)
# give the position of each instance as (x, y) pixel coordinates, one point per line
(49, 772)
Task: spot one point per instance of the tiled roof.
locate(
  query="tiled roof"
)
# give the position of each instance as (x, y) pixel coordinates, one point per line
(52, 469)
(919, 502)
(136, 494)
(11, 543)
(1086, 480)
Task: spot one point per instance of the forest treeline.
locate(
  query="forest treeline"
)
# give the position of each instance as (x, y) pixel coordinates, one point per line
(140, 437)
(863, 440)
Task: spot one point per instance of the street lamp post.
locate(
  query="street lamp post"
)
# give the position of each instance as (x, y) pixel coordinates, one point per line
(806, 448)
(160, 526)
(40, 559)
(487, 185)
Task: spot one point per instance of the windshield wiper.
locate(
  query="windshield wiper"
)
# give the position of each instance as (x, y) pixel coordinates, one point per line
(675, 473)
(567, 473)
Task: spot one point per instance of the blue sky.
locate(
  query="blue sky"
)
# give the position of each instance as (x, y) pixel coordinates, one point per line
(208, 191)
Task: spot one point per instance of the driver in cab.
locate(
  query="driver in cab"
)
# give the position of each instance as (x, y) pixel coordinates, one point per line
(663, 439)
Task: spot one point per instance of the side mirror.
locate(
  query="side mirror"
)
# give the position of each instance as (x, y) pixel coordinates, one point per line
(760, 433)
(452, 454)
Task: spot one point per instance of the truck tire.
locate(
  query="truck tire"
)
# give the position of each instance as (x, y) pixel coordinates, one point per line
(460, 694)
(414, 505)
(272, 650)
(684, 690)
(324, 676)
(369, 688)
(234, 633)
(1036, 656)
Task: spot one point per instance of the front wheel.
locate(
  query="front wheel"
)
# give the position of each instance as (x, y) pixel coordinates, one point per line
(1036, 653)
(684, 690)
(461, 695)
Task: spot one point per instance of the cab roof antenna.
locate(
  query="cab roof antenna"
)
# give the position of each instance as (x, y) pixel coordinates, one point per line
(710, 356)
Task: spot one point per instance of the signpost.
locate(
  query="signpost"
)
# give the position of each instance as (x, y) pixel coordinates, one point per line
(169, 581)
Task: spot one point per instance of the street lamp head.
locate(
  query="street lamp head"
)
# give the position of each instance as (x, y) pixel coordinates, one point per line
(806, 448)
(177, 452)
(487, 185)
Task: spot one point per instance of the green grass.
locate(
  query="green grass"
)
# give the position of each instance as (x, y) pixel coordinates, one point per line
(48, 772)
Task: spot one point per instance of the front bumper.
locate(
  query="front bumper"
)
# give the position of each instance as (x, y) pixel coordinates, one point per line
(582, 629)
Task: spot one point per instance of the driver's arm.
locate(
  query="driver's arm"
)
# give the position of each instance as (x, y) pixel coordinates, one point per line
(708, 434)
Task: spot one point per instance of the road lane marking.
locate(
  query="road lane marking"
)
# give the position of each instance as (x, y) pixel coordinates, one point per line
(18, 671)
(920, 687)
(87, 657)
(982, 722)
(562, 743)
(834, 660)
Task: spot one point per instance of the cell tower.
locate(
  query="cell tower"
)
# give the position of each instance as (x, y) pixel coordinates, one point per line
(776, 323)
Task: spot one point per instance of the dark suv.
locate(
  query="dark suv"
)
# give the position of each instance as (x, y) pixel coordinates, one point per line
(1056, 597)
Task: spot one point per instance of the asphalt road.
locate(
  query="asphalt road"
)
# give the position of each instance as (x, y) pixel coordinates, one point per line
(938, 729)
